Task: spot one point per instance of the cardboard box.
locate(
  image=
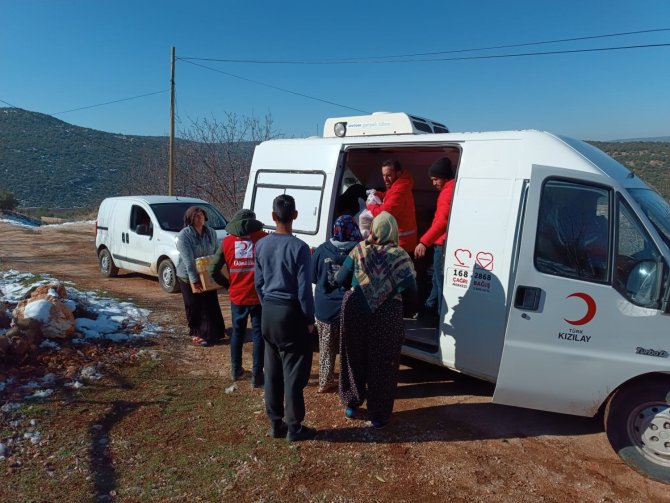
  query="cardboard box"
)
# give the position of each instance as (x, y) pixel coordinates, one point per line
(202, 264)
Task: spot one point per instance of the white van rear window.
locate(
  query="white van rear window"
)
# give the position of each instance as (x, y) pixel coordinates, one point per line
(306, 187)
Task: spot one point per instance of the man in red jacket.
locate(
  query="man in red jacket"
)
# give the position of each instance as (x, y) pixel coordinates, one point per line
(238, 252)
(399, 202)
(442, 177)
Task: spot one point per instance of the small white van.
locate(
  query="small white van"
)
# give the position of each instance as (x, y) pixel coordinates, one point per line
(137, 233)
(557, 264)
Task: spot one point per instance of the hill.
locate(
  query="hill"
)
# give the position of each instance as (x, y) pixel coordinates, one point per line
(49, 163)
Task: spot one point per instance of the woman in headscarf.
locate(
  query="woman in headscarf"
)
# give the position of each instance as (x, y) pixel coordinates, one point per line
(203, 312)
(380, 273)
(326, 261)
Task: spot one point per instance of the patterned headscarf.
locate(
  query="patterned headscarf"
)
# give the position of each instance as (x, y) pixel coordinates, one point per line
(346, 229)
(379, 263)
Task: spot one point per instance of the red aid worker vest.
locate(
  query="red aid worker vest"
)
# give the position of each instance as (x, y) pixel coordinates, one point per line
(240, 255)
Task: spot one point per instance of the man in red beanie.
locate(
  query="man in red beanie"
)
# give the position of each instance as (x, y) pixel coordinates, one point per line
(399, 202)
(442, 177)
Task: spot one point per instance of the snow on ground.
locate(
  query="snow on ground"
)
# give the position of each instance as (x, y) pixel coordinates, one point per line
(116, 320)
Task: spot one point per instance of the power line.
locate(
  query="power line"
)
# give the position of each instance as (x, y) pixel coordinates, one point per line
(275, 87)
(111, 102)
(368, 59)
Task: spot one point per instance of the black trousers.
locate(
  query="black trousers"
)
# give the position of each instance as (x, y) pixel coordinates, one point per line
(288, 362)
(203, 313)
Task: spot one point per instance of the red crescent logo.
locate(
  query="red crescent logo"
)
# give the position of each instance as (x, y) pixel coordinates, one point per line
(590, 308)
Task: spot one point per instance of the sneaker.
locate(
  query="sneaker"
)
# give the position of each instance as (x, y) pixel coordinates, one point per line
(377, 425)
(258, 380)
(198, 341)
(236, 373)
(304, 433)
(351, 413)
(278, 431)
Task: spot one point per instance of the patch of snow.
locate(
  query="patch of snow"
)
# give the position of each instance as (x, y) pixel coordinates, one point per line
(74, 384)
(41, 393)
(49, 344)
(10, 407)
(38, 310)
(91, 373)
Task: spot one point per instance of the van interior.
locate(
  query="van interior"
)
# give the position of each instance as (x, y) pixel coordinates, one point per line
(363, 166)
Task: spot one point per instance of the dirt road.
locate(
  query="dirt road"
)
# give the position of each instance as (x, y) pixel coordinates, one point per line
(446, 440)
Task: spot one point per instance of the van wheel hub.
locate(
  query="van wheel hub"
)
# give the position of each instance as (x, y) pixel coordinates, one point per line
(649, 427)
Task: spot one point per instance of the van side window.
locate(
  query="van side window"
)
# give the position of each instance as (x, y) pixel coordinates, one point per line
(140, 221)
(573, 234)
(638, 261)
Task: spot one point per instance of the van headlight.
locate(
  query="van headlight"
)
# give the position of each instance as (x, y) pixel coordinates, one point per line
(340, 129)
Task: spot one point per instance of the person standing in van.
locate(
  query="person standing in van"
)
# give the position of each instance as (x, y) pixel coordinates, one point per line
(237, 251)
(284, 286)
(380, 273)
(442, 177)
(399, 202)
(203, 312)
(326, 261)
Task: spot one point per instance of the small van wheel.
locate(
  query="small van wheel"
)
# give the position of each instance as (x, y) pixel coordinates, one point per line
(637, 421)
(167, 276)
(107, 267)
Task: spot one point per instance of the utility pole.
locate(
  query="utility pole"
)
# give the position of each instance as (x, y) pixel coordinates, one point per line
(171, 151)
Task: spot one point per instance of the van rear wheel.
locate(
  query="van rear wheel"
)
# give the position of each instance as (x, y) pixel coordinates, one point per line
(637, 421)
(167, 276)
(107, 266)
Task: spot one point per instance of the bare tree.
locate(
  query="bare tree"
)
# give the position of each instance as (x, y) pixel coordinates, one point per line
(212, 161)
(214, 158)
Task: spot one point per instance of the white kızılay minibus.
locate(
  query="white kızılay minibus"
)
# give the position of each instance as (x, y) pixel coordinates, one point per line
(556, 272)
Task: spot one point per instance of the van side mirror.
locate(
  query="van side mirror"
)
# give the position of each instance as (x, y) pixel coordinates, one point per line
(643, 284)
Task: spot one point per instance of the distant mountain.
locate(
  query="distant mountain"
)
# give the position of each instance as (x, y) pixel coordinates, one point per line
(49, 163)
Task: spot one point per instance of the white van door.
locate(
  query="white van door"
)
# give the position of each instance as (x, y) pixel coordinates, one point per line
(306, 173)
(139, 239)
(556, 350)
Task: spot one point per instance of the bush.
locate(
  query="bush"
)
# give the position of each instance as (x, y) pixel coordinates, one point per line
(7, 201)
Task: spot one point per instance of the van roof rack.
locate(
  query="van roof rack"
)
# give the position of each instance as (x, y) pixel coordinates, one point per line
(380, 123)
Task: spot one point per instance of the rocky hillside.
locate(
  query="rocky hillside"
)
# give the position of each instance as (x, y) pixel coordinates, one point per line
(49, 163)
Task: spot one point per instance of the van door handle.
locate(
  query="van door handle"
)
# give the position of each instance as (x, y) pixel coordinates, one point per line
(527, 298)
(123, 237)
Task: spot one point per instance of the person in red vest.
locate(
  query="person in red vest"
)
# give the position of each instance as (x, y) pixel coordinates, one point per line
(399, 202)
(238, 252)
(442, 177)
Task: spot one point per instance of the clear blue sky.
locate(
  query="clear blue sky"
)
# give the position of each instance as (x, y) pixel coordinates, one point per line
(59, 55)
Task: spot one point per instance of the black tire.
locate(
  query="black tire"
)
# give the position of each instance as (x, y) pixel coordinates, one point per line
(167, 276)
(637, 421)
(107, 267)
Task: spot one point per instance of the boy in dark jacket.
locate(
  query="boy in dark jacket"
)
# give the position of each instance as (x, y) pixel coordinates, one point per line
(238, 252)
(326, 261)
(284, 285)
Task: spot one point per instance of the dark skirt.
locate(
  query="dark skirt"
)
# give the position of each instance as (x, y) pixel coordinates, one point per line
(203, 313)
(370, 347)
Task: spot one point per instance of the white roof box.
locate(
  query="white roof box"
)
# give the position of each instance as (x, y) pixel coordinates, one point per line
(380, 123)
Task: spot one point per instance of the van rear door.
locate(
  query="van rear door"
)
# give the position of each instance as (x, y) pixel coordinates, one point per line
(556, 350)
(306, 173)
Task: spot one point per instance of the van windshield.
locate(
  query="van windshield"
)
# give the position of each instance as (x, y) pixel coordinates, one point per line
(657, 210)
(171, 215)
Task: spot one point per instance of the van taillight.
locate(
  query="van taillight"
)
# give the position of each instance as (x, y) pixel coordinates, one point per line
(96, 227)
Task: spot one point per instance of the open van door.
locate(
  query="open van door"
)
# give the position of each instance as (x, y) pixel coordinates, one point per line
(556, 355)
(302, 173)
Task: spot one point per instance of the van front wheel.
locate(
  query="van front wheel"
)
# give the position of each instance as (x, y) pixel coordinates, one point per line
(167, 276)
(637, 421)
(107, 267)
